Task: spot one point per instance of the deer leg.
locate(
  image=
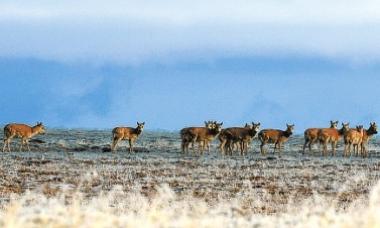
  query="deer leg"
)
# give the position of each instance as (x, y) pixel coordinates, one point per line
(185, 146)
(345, 154)
(222, 146)
(310, 144)
(305, 144)
(324, 151)
(229, 147)
(262, 148)
(130, 145)
(201, 147)
(279, 147)
(27, 144)
(114, 144)
(364, 150)
(5, 144)
(182, 146)
(193, 144)
(9, 145)
(333, 144)
(21, 144)
(275, 147)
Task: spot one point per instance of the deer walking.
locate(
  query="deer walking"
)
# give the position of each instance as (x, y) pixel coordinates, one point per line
(22, 131)
(278, 137)
(126, 133)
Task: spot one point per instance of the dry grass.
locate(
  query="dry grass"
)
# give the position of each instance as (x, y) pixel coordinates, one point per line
(167, 188)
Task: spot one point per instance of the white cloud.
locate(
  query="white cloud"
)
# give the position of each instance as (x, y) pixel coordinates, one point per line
(138, 31)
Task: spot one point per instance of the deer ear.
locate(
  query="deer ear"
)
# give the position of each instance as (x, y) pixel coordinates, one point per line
(143, 123)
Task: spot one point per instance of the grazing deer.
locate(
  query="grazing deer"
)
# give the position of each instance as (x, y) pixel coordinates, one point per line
(126, 133)
(331, 135)
(353, 137)
(311, 135)
(22, 131)
(367, 135)
(278, 137)
(241, 136)
(202, 135)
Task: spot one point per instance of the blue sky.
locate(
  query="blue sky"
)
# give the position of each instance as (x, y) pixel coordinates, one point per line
(97, 64)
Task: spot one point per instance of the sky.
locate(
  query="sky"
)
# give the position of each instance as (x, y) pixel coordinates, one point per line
(100, 64)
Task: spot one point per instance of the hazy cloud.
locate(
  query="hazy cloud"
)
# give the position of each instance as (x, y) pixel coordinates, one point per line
(135, 32)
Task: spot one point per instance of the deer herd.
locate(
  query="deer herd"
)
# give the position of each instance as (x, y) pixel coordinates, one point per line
(230, 139)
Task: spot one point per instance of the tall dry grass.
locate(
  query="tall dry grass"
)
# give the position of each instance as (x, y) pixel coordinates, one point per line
(166, 209)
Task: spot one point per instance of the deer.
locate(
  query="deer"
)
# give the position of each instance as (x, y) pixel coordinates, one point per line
(367, 135)
(223, 139)
(278, 137)
(202, 135)
(188, 135)
(311, 135)
(331, 135)
(22, 131)
(353, 137)
(126, 133)
(241, 136)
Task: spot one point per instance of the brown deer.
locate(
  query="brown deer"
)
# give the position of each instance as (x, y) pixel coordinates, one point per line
(241, 136)
(202, 135)
(126, 133)
(311, 135)
(353, 137)
(223, 138)
(188, 135)
(278, 137)
(367, 135)
(331, 135)
(22, 131)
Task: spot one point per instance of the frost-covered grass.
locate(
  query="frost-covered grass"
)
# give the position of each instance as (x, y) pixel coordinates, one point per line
(119, 209)
(57, 186)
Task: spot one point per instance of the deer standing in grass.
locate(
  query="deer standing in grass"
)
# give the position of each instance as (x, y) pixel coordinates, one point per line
(367, 135)
(331, 135)
(278, 137)
(202, 135)
(223, 138)
(311, 135)
(126, 133)
(22, 131)
(353, 137)
(241, 136)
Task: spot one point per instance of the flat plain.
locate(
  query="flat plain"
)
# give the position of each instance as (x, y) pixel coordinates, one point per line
(72, 171)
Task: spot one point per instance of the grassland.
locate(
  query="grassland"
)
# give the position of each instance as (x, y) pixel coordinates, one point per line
(71, 180)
